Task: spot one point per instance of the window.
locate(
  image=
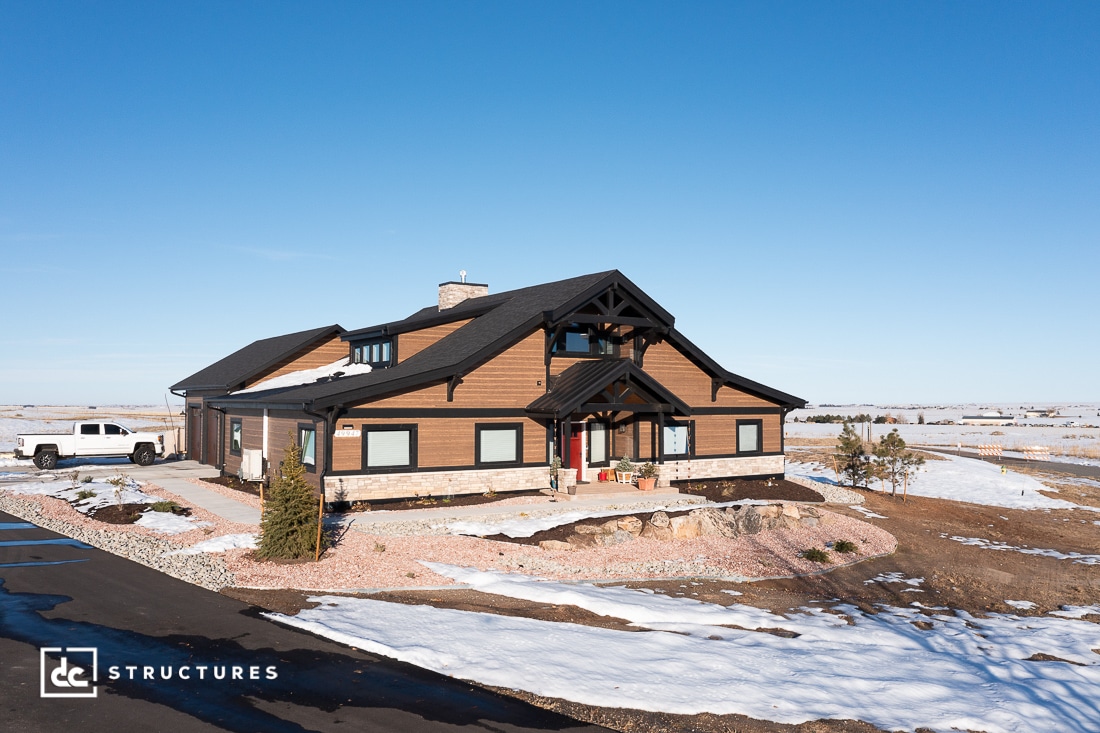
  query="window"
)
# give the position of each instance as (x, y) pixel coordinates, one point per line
(307, 441)
(498, 444)
(378, 353)
(389, 447)
(581, 340)
(677, 439)
(112, 429)
(749, 436)
(235, 433)
(89, 429)
(598, 437)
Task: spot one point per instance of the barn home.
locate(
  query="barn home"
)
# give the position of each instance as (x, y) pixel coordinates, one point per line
(480, 391)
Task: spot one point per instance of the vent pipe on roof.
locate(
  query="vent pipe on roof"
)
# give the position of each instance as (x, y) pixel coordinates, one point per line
(452, 293)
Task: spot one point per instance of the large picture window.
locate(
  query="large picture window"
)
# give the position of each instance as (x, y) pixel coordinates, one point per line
(750, 436)
(236, 433)
(584, 340)
(498, 444)
(677, 439)
(391, 447)
(307, 441)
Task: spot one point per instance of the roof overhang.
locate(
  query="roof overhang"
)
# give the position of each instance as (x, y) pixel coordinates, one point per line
(607, 386)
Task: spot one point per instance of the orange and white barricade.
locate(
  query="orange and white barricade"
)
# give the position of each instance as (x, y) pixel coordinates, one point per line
(1037, 453)
(990, 450)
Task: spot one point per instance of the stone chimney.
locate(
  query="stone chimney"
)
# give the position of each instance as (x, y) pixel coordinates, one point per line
(452, 293)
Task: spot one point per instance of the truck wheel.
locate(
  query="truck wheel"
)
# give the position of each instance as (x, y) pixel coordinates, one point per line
(46, 460)
(144, 455)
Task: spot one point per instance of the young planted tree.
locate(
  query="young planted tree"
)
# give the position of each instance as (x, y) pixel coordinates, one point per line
(288, 527)
(893, 462)
(854, 463)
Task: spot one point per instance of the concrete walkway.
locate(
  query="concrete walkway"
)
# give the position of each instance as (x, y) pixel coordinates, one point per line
(169, 475)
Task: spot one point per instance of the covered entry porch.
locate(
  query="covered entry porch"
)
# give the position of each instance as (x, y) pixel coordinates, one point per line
(601, 410)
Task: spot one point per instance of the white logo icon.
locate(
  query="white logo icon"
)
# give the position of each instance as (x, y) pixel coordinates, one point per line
(64, 678)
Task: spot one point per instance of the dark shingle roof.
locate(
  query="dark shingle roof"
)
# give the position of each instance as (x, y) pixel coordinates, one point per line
(253, 359)
(583, 382)
(498, 321)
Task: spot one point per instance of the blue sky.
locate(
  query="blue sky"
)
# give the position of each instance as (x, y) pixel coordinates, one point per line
(849, 201)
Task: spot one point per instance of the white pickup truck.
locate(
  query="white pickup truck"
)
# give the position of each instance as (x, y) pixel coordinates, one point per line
(90, 438)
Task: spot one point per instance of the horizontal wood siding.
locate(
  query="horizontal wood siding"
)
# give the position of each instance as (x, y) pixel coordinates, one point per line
(252, 436)
(283, 431)
(441, 442)
(433, 396)
(413, 342)
(510, 379)
(318, 355)
(690, 383)
(716, 435)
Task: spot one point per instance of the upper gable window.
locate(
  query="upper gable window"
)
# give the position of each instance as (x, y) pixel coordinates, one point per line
(377, 353)
(584, 340)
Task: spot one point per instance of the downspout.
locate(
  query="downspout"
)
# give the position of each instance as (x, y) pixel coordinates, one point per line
(183, 397)
(263, 448)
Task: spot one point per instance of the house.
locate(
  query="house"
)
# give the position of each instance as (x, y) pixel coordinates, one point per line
(479, 391)
(989, 417)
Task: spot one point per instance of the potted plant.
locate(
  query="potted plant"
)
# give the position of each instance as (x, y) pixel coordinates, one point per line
(555, 466)
(647, 477)
(624, 471)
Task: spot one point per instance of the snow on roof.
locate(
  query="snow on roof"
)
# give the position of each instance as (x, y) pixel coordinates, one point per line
(309, 376)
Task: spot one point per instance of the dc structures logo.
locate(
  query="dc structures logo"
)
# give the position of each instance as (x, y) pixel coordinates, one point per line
(62, 678)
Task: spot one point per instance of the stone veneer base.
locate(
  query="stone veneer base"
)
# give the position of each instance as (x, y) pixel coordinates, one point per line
(379, 486)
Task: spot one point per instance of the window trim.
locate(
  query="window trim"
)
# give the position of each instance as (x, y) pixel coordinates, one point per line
(759, 437)
(237, 422)
(481, 427)
(410, 428)
(357, 346)
(310, 467)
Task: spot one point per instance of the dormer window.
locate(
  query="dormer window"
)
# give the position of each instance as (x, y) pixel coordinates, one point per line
(378, 353)
(584, 340)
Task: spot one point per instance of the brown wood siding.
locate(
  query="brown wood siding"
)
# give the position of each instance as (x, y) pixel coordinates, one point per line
(317, 355)
(282, 430)
(413, 342)
(716, 435)
(252, 437)
(647, 439)
(510, 379)
(433, 396)
(441, 442)
(690, 383)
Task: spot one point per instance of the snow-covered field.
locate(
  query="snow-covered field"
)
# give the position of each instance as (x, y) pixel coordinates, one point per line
(1077, 444)
(959, 479)
(15, 419)
(962, 673)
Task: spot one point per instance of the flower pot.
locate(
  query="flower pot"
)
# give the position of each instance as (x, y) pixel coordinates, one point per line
(647, 484)
(624, 477)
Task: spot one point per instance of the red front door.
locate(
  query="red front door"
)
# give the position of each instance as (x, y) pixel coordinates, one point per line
(576, 439)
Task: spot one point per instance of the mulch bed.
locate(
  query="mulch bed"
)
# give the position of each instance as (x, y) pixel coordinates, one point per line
(127, 513)
(434, 501)
(741, 489)
(232, 482)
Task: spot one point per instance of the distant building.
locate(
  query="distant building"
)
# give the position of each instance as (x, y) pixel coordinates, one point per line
(1041, 413)
(992, 417)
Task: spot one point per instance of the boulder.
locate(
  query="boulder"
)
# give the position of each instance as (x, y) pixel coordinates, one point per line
(808, 521)
(685, 527)
(659, 519)
(716, 522)
(610, 525)
(769, 511)
(653, 532)
(630, 524)
(582, 541)
(790, 510)
(617, 537)
(555, 545)
(747, 519)
(590, 529)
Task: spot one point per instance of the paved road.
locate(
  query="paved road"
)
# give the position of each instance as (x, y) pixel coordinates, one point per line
(1073, 469)
(57, 592)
